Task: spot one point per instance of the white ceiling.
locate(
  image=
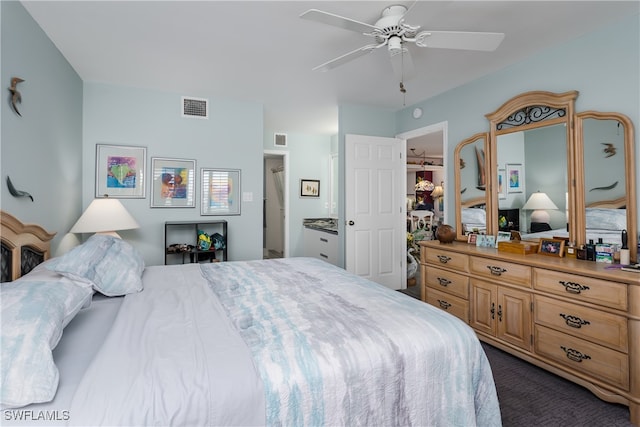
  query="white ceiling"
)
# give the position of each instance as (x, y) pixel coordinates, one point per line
(262, 51)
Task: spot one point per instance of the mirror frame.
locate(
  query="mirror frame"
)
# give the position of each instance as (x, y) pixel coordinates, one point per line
(457, 178)
(515, 109)
(630, 177)
(510, 110)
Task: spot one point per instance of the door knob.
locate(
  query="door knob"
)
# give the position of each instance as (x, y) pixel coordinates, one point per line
(351, 223)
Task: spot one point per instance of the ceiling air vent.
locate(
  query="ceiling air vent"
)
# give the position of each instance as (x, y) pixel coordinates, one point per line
(195, 107)
(280, 139)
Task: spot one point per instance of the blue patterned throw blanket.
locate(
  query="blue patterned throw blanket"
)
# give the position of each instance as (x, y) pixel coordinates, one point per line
(332, 348)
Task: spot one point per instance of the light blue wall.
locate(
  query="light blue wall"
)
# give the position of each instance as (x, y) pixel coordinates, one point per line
(309, 157)
(232, 138)
(603, 66)
(40, 150)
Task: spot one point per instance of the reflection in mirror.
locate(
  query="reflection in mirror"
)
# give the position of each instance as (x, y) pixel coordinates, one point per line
(605, 141)
(529, 163)
(470, 174)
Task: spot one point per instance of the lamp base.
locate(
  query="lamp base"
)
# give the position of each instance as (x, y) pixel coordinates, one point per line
(540, 216)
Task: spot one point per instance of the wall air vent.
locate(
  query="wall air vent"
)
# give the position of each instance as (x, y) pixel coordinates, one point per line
(195, 107)
(280, 139)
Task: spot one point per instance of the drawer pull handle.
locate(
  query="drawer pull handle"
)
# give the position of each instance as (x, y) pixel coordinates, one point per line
(500, 313)
(574, 321)
(443, 304)
(324, 256)
(574, 355)
(322, 239)
(493, 310)
(496, 271)
(444, 259)
(573, 287)
(443, 281)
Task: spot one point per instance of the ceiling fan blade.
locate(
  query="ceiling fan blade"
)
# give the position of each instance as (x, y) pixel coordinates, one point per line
(402, 64)
(347, 57)
(459, 40)
(337, 21)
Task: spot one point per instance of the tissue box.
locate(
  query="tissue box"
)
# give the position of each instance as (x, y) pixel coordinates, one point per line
(521, 247)
(604, 252)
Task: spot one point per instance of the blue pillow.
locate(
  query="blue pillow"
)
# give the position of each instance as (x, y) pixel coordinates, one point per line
(112, 266)
(34, 314)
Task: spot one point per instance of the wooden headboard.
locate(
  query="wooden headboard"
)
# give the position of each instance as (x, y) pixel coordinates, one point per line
(610, 204)
(477, 202)
(22, 247)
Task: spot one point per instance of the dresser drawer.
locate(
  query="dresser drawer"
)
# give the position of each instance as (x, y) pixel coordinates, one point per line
(452, 304)
(447, 259)
(514, 274)
(581, 288)
(587, 323)
(582, 356)
(447, 281)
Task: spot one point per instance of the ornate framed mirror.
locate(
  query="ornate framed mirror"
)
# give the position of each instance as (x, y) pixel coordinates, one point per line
(605, 179)
(470, 183)
(531, 140)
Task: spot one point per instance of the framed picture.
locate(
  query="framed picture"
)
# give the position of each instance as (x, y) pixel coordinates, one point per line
(503, 236)
(514, 178)
(552, 247)
(120, 171)
(502, 187)
(471, 238)
(486, 241)
(173, 183)
(220, 191)
(309, 188)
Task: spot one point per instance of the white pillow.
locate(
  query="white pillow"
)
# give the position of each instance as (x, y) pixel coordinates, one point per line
(112, 266)
(606, 219)
(34, 313)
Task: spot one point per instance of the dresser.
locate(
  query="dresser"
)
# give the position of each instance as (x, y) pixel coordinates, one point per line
(575, 318)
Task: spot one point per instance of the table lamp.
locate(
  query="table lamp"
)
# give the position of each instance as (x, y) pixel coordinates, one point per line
(105, 216)
(539, 202)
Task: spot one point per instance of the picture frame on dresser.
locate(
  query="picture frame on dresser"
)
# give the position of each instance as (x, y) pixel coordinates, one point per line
(120, 171)
(551, 247)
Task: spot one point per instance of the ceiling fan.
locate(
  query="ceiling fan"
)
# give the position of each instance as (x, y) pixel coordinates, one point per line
(392, 31)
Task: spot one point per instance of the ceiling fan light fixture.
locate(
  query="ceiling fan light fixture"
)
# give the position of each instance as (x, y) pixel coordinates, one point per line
(395, 45)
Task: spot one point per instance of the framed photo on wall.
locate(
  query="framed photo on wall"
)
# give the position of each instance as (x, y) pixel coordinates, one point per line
(502, 184)
(515, 178)
(173, 183)
(220, 191)
(120, 171)
(309, 188)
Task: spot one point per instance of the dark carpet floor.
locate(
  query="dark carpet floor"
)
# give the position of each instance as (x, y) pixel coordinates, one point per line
(531, 396)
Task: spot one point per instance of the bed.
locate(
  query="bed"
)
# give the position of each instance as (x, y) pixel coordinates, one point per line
(604, 221)
(293, 341)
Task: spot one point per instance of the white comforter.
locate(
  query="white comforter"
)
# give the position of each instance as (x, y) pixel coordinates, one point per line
(283, 342)
(172, 357)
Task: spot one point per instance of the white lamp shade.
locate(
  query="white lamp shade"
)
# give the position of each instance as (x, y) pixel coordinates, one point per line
(104, 215)
(437, 192)
(539, 200)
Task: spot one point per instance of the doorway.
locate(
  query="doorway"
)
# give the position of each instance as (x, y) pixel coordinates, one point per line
(426, 154)
(275, 206)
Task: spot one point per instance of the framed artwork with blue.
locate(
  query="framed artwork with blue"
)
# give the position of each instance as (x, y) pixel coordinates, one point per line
(120, 171)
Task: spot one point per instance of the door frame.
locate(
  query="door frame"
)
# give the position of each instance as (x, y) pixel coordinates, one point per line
(285, 163)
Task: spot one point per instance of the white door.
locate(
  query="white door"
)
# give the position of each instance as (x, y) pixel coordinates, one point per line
(375, 212)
